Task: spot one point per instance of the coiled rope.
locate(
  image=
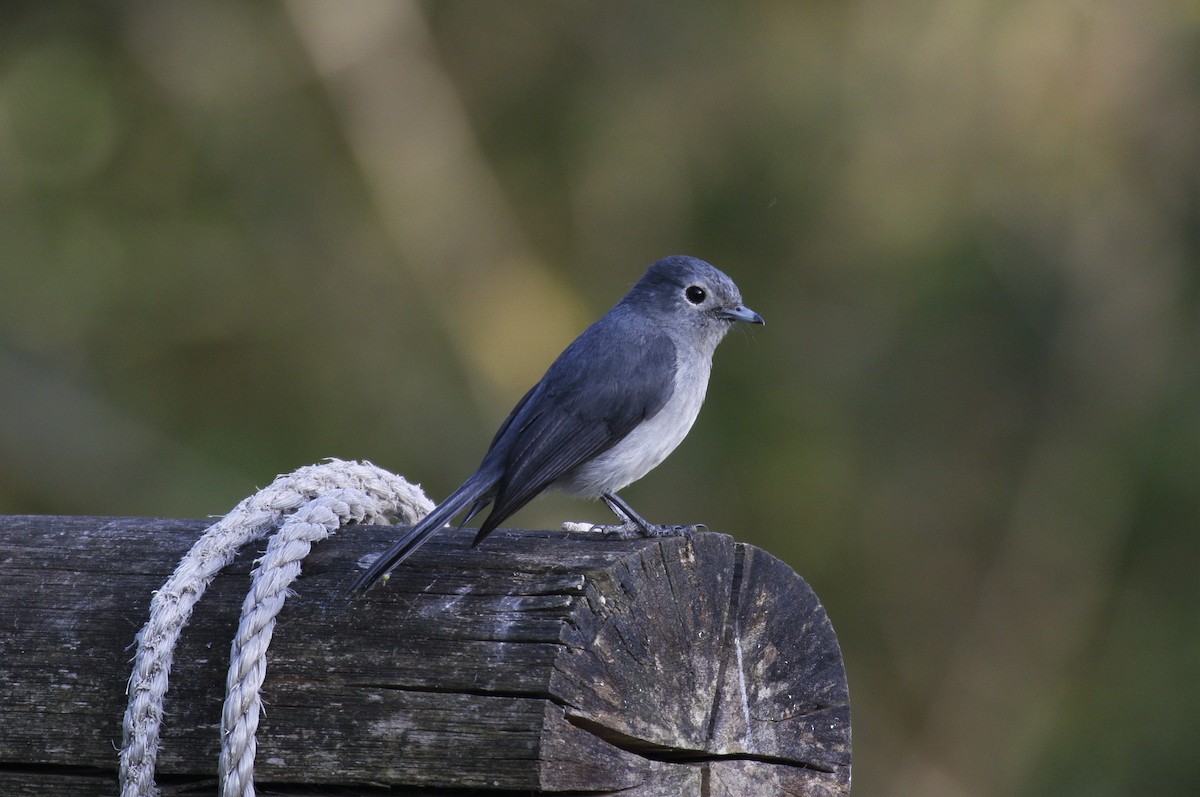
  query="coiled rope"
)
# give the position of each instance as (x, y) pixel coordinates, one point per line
(308, 505)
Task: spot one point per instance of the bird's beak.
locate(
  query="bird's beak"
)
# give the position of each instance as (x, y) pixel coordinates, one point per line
(741, 313)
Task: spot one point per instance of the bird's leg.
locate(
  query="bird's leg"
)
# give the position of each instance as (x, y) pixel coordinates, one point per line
(632, 522)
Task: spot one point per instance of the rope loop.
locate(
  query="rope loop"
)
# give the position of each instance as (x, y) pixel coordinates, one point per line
(308, 505)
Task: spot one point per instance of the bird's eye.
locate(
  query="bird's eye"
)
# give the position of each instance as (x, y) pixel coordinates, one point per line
(695, 294)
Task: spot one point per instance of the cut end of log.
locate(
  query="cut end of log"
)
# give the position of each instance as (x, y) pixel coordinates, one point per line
(712, 655)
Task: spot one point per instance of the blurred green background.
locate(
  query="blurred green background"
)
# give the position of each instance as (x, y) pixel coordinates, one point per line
(238, 238)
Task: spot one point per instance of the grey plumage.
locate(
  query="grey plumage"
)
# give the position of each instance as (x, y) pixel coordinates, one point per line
(613, 405)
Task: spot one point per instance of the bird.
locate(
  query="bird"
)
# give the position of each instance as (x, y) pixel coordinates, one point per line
(608, 410)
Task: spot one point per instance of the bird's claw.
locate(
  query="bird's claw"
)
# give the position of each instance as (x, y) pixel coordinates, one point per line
(633, 531)
(673, 531)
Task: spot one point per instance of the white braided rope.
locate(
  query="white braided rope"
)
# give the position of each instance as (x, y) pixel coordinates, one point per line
(271, 579)
(362, 491)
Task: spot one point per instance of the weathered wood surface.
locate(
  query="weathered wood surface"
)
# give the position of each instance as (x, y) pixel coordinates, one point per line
(539, 663)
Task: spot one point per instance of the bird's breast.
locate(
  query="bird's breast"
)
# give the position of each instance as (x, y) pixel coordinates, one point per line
(649, 443)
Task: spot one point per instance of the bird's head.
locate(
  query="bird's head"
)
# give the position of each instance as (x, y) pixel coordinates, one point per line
(691, 295)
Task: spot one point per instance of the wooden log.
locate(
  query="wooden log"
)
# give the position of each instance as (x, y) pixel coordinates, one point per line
(541, 662)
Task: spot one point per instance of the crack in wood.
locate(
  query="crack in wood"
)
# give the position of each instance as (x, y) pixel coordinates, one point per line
(18, 768)
(729, 637)
(509, 694)
(677, 755)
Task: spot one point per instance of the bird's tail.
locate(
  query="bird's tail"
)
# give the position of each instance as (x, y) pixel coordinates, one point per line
(473, 493)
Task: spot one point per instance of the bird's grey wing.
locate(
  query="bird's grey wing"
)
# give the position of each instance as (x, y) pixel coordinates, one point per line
(515, 412)
(591, 398)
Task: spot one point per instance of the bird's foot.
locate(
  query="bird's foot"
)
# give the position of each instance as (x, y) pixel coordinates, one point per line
(631, 530)
(654, 530)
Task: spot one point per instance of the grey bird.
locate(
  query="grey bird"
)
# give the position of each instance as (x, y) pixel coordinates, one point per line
(613, 405)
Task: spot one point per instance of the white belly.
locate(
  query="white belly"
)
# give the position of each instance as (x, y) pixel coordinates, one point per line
(649, 443)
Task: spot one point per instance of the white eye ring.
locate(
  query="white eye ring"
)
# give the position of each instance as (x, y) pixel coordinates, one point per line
(695, 294)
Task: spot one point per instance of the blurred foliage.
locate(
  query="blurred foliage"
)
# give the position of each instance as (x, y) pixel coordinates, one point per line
(236, 238)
